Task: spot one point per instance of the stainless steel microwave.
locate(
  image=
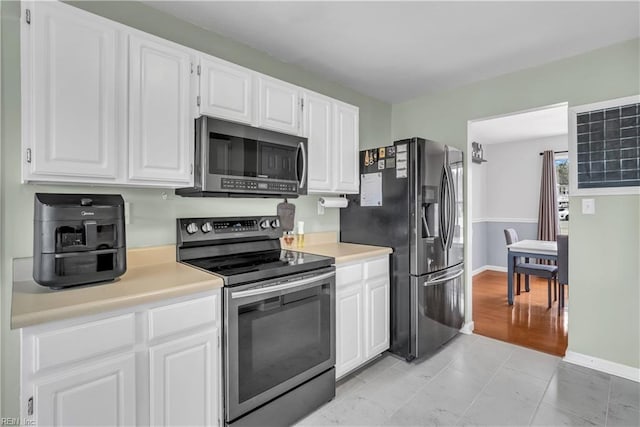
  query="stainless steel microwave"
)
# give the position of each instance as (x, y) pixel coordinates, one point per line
(235, 160)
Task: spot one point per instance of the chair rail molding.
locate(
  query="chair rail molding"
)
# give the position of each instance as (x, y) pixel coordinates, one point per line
(602, 365)
(522, 220)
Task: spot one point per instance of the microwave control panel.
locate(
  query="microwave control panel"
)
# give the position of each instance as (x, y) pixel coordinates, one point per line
(235, 184)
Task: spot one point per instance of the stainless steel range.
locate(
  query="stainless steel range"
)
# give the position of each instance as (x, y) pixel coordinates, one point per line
(279, 318)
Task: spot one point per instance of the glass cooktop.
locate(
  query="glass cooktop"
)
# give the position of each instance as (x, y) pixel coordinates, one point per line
(254, 266)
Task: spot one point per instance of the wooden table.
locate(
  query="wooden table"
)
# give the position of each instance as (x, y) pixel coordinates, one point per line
(539, 249)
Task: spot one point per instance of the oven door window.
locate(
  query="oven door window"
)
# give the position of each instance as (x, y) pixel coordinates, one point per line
(238, 156)
(282, 337)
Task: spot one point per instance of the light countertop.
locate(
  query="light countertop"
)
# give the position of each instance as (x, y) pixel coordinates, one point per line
(346, 252)
(152, 275)
(326, 244)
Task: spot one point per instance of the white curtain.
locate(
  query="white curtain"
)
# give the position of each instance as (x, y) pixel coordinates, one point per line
(548, 223)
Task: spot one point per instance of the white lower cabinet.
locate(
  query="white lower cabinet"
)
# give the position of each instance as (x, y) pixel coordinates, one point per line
(377, 292)
(103, 393)
(350, 329)
(157, 364)
(183, 378)
(362, 312)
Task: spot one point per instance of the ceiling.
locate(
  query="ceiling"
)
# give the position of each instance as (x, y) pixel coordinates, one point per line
(527, 125)
(396, 51)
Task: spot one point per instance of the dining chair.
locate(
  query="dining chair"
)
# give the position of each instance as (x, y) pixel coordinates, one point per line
(548, 272)
(563, 268)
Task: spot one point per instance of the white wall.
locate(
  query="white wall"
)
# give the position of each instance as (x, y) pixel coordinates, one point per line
(513, 171)
(479, 191)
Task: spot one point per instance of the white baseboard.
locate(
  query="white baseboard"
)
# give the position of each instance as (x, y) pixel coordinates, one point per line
(489, 267)
(467, 328)
(603, 365)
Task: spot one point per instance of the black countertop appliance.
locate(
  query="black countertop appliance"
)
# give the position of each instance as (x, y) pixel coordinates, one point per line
(78, 239)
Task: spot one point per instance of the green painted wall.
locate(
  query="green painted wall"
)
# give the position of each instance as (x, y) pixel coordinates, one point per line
(605, 248)
(152, 218)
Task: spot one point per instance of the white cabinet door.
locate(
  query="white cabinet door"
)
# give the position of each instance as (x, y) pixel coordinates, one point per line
(183, 381)
(278, 105)
(346, 148)
(318, 128)
(71, 95)
(225, 90)
(160, 112)
(101, 394)
(349, 329)
(377, 309)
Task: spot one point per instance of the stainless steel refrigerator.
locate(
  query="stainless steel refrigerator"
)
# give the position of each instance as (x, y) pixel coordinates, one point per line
(411, 199)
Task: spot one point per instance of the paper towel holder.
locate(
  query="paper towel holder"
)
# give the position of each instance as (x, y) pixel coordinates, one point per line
(331, 202)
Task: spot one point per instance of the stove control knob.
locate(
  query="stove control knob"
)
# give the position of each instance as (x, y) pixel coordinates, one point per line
(275, 223)
(207, 227)
(192, 228)
(265, 224)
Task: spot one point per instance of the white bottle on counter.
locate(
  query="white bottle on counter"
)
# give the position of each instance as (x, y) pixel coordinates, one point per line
(300, 234)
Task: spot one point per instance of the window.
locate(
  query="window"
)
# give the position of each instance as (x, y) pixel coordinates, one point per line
(605, 146)
(562, 182)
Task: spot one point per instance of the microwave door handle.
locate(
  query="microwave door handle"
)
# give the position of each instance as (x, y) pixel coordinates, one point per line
(302, 179)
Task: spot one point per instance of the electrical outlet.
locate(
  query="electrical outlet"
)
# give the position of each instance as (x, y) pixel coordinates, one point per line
(588, 206)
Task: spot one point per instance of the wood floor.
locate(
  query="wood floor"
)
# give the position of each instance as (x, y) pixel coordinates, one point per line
(528, 322)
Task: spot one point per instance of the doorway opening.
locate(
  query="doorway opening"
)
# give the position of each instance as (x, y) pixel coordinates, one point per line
(504, 193)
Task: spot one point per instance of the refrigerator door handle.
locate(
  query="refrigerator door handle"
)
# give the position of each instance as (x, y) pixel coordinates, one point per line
(452, 209)
(444, 231)
(444, 279)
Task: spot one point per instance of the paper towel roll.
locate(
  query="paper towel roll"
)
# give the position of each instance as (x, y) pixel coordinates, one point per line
(333, 202)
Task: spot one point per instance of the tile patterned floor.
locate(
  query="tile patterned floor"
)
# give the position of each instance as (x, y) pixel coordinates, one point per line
(476, 380)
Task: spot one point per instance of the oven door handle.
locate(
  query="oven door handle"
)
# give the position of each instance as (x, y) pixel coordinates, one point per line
(289, 285)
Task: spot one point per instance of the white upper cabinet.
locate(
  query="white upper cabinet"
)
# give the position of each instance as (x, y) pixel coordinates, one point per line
(103, 103)
(226, 90)
(346, 127)
(160, 111)
(318, 128)
(278, 105)
(72, 92)
(331, 127)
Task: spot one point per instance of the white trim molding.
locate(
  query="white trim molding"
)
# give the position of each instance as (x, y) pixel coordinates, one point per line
(467, 328)
(573, 150)
(603, 365)
(523, 220)
(489, 267)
